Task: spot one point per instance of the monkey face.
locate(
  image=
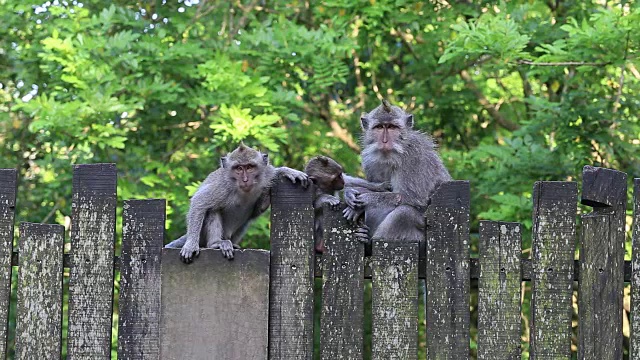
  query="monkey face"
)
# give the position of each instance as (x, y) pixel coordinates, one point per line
(245, 176)
(386, 135)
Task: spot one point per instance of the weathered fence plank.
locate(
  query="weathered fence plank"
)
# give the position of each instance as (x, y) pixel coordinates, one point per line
(447, 272)
(8, 183)
(91, 274)
(39, 316)
(291, 290)
(394, 314)
(601, 282)
(499, 291)
(554, 236)
(634, 342)
(139, 303)
(341, 332)
(215, 308)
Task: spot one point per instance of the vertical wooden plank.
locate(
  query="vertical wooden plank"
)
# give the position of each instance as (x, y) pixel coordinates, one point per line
(341, 332)
(499, 291)
(139, 304)
(395, 300)
(447, 272)
(8, 182)
(601, 281)
(634, 350)
(554, 235)
(39, 316)
(91, 274)
(291, 279)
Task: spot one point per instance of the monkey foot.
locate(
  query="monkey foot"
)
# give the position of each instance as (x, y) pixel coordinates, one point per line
(189, 253)
(351, 214)
(226, 247)
(362, 234)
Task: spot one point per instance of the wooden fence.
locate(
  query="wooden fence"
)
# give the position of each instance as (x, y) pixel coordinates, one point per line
(394, 267)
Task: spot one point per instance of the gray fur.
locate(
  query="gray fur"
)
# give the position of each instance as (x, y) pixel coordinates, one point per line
(220, 212)
(413, 168)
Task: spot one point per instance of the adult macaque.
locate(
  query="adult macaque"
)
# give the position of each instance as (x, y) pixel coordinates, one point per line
(393, 151)
(328, 177)
(228, 200)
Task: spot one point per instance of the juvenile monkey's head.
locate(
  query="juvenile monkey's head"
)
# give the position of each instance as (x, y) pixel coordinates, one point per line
(326, 173)
(245, 167)
(385, 127)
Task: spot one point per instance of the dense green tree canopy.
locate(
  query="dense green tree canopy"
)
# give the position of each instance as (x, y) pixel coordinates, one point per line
(513, 91)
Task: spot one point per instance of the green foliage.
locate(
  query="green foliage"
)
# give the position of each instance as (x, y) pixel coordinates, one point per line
(513, 92)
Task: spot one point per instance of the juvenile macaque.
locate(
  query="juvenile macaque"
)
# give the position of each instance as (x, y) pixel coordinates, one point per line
(329, 177)
(228, 200)
(393, 151)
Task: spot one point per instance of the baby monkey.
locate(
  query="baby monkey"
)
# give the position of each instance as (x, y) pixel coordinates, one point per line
(328, 177)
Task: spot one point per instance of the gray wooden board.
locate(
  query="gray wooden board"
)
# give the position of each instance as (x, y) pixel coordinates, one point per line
(139, 303)
(292, 261)
(596, 323)
(394, 314)
(39, 310)
(447, 272)
(341, 333)
(92, 249)
(634, 347)
(8, 183)
(215, 308)
(474, 269)
(499, 291)
(554, 236)
(600, 299)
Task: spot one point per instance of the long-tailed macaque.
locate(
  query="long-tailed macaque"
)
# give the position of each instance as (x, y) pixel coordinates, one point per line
(228, 200)
(393, 151)
(328, 177)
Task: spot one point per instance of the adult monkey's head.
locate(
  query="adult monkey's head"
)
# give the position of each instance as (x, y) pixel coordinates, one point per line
(385, 127)
(245, 167)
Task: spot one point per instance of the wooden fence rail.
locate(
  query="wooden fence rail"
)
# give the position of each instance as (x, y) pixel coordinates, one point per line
(152, 285)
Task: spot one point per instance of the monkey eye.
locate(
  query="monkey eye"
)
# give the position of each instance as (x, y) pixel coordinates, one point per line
(379, 126)
(250, 167)
(392, 126)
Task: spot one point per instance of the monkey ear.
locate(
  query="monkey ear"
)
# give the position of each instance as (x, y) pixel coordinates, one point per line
(409, 121)
(223, 162)
(265, 159)
(364, 121)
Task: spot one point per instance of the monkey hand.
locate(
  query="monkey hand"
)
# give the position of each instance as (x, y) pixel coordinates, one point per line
(332, 201)
(189, 252)
(351, 198)
(351, 214)
(387, 186)
(226, 247)
(362, 234)
(295, 175)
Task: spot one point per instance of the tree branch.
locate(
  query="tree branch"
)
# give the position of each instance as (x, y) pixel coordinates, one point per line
(562, 63)
(490, 108)
(616, 102)
(340, 132)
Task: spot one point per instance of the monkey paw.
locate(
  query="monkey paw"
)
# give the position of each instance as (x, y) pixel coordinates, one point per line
(226, 247)
(362, 234)
(189, 253)
(296, 175)
(334, 202)
(387, 186)
(351, 214)
(351, 198)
